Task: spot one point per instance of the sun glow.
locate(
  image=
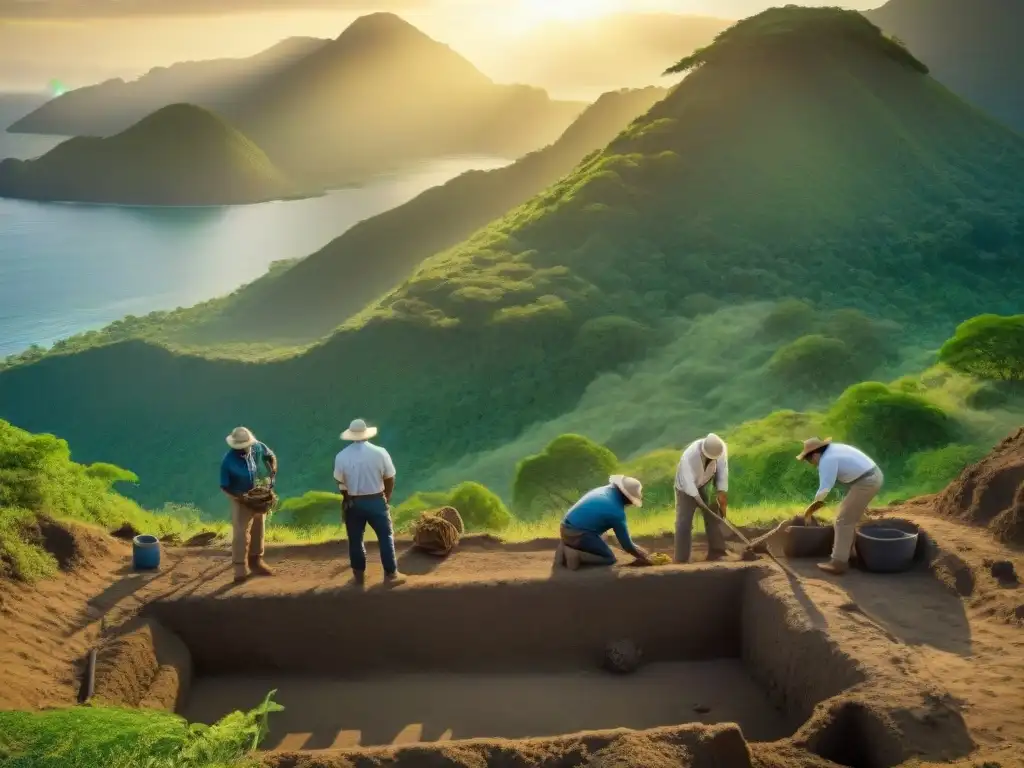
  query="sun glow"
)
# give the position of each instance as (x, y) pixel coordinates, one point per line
(539, 11)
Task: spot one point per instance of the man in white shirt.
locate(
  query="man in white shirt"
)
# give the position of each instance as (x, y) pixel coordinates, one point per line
(703, 460)
(863, 480)
(366, 479)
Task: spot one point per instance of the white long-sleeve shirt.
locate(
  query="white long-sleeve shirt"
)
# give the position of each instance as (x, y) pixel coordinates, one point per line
(841, 463)
(691, 474)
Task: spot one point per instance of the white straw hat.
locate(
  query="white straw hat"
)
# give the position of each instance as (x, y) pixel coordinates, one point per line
(713, 447)
(630, 487)
(812, 445)
(240, 438)
(358, 431)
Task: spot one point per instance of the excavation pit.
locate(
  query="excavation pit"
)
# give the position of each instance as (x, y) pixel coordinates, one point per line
(429, 664)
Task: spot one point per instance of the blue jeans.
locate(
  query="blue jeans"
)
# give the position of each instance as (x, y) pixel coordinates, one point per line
(370, 511)
(587, 541)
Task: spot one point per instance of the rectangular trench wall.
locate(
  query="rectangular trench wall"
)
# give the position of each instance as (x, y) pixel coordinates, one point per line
(793, 660)
(673, 615)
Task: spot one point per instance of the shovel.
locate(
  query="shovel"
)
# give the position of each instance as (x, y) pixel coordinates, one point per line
(744, 539)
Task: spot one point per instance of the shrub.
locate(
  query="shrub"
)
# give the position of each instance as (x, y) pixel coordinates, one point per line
(813, 363)
(406, 513)
(612, 338)
(888, 423)
(788, 318)
(931, 471)
(311, 509)
(769, 473)
(481, 509)
(868, 340)
(553, 478)
(989, 347)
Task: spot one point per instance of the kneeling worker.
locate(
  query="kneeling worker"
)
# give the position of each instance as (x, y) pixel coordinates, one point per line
(599, 511)
(863, 480)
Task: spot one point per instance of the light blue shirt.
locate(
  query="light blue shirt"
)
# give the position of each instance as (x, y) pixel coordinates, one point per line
(841, 463)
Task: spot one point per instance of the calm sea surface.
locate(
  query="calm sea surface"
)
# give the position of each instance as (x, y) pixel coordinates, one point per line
(67, 268)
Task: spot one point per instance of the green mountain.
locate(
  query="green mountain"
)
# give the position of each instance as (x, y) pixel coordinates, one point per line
(320, 292)
(112, 106)
(972, 46)
(805, 155)
(179, 155)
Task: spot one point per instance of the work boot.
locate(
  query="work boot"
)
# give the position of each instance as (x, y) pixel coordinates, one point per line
(394, 579)
(359, 578)
(572, 559)
(560, 555)
(834, 567)
(241, 573)
(258, 567)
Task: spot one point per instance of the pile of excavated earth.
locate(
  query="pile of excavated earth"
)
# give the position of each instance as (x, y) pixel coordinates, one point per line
(492, 657)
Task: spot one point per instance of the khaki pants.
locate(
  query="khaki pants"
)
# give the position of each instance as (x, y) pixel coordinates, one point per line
(686, 506)
(858, 496)
(246, 533)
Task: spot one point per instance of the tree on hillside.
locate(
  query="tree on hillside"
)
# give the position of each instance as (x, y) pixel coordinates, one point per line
(989, 347)
(480, 507)
(888, 423)
(813, 363)
(570, 464)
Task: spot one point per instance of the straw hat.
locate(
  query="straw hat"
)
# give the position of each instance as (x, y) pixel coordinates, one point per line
(358, 432)
(630, 487)
(240, 438)
(812, 445)
(713, 447)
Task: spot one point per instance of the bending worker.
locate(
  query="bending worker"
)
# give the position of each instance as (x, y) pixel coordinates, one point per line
(599, 511)
(863, 480)
(239, 471)
(703, 460)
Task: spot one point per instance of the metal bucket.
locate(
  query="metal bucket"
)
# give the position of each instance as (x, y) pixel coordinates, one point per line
(883, 549)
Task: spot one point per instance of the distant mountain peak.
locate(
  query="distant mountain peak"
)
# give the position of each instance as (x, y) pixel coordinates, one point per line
(794, 28)
(380, 24)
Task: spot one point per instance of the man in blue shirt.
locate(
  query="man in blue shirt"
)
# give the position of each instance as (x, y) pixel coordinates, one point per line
(239, 472)
(599, 511)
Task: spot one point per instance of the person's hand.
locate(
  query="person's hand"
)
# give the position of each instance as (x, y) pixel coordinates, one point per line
(723, 503)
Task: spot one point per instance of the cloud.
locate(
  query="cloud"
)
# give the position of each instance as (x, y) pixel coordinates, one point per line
(113, 9)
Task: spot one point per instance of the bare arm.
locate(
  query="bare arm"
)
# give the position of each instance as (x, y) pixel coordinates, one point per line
(389, 488)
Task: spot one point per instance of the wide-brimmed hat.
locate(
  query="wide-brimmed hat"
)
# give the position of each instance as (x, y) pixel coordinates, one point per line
(812, 445)
(358, 431)
(630, 487)
(240, 438)
(713, 447)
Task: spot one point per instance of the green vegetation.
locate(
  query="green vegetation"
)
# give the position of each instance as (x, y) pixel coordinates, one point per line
(123, 738)
(567, 467)
(481, 509)
(747, 184)
(179, 155)
(38, 481)
(989, 347)
(311, 510)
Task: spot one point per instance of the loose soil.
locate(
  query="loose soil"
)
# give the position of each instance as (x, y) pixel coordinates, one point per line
(949, 636)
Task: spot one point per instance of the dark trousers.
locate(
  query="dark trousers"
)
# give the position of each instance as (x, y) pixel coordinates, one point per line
(370, 511)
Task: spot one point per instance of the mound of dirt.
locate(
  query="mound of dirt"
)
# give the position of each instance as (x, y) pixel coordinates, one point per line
(144, 665)
(991, 492)
(72, 546)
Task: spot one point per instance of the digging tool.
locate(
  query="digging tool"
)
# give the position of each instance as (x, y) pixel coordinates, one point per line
(743, 538)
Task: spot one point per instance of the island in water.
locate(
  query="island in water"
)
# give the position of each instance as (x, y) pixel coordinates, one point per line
(180, 155)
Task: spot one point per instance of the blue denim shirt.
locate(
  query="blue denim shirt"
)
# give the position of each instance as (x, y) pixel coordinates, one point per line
(239, 471)
(600, 510)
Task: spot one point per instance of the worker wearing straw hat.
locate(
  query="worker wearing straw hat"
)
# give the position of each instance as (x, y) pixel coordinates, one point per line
(704, 460)
(239, 471)
(366, 478)
(863, 479)
(599, 511)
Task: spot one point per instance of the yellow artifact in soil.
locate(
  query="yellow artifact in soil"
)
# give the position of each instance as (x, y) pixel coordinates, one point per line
(658, 558)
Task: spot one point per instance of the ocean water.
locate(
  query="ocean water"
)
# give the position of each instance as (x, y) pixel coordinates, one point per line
(68, 268)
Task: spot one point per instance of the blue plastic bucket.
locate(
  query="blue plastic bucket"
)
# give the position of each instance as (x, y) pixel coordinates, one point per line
(145, 552)
(886, 550)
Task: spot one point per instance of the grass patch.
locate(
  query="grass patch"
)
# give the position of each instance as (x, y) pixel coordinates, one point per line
(86, 737)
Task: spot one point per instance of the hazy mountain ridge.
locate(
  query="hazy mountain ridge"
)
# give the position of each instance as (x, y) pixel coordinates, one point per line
(804, 156)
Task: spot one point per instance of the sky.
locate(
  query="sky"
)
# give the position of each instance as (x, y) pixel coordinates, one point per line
(83, 41)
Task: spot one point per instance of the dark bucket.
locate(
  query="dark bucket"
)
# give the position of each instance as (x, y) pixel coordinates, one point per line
(145, 553)
(808, 541)
(886, 550)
